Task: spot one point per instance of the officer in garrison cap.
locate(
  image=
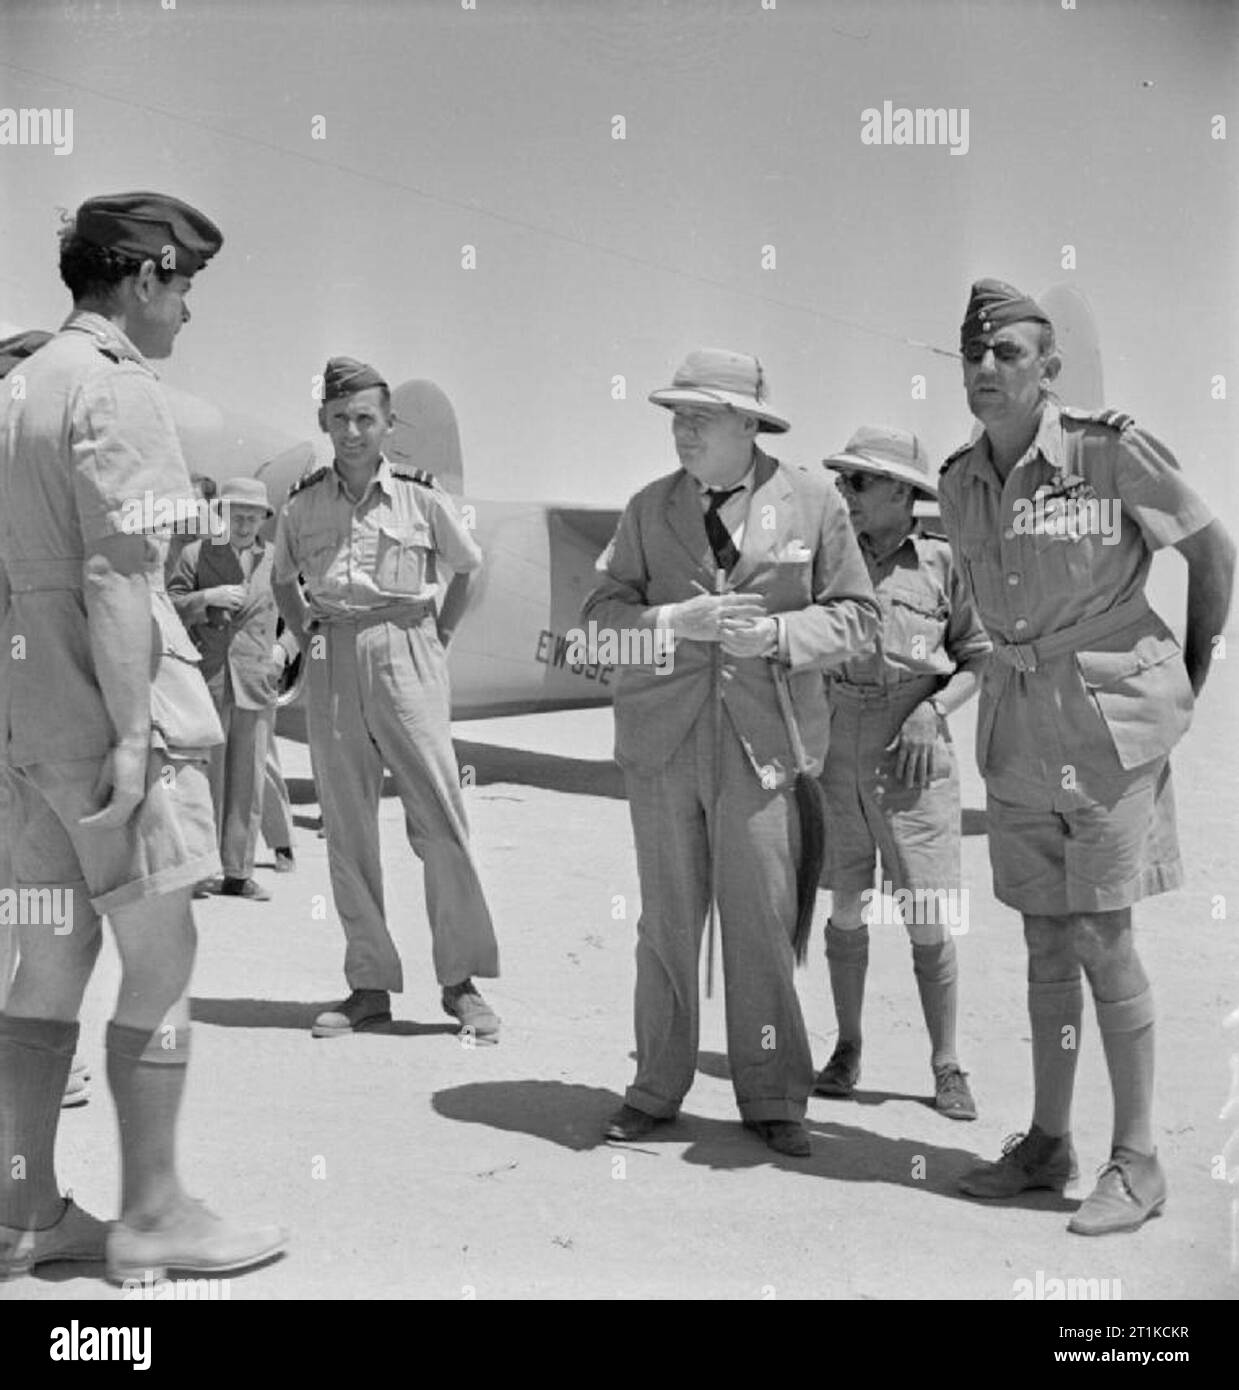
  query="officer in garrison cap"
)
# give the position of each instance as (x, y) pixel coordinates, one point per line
(891, 780)
(1054, 515)
(106, 726)
(367, 539)
(749, 568)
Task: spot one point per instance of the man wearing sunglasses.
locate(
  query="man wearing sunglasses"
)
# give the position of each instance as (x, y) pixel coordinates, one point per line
(1054, 515)
(890, 779)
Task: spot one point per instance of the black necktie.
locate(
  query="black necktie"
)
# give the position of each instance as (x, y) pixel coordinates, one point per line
(721, 543)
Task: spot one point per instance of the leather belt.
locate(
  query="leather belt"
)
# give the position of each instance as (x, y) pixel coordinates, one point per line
(1027, 656)
(402, 615)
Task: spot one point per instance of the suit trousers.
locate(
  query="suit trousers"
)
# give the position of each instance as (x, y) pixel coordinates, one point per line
(277, 817)
(238, 772)
(754, 849)
(379, 696)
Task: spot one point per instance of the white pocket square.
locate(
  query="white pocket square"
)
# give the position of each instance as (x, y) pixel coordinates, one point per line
(793, 553)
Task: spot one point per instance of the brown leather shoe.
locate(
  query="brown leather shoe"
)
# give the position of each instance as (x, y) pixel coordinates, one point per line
(787, 1137)
(629, 1123)
(840, 1075)
(76, 1235)
(1035, 1159)
(1131, 1187)
(952, 1097)
(476, 1016)
(364, 1008)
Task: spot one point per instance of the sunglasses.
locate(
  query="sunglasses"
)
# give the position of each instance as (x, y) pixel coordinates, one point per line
(856, 482)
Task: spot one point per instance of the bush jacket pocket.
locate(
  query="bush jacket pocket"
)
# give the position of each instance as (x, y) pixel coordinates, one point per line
(1143, 695)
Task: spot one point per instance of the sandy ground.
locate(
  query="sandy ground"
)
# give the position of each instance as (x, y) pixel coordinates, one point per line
(408, 1165)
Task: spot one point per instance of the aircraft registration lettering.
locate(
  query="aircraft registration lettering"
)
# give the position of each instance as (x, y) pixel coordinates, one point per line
(552, 650)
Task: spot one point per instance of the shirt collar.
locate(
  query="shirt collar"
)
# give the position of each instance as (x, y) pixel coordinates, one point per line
(106, 334)
(382, 478)
(1048, 442)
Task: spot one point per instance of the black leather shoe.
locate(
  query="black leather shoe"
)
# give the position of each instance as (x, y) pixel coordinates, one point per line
(629, 1123)
(787, 1137)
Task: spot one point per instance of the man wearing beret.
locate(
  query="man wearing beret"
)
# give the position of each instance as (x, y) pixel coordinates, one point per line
(222, 590)
(1054, 515)
(891, 781)
(367, 540)
(749, 567)
(106, 726)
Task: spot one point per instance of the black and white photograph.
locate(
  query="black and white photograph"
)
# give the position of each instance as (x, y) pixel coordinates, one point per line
(617, 678)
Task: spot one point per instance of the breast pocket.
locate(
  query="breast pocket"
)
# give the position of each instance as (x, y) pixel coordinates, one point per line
(1061, 564)
(316, 553)
(915, 622)
(405, 563)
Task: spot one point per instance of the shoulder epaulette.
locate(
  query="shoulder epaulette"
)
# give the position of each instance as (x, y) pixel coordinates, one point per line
(1115, 419)
(414, 475)
(959, 453)
(929, 533)
(317, 475)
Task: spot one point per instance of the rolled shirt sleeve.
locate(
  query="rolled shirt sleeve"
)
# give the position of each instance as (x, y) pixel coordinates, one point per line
(129, 475)
(1153, 491)
(453, 541)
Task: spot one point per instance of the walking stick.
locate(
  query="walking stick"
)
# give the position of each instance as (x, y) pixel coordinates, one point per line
(720, 586)
(811, 807)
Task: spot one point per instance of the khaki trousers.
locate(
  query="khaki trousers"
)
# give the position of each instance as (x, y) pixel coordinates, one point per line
(378, 696)
(238, 772)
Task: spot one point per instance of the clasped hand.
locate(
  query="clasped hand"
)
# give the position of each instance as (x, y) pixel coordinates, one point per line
(738, 621)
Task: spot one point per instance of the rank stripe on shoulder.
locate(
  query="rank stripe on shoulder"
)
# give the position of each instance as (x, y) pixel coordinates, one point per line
(958, 453)
(415, 475)
(309, 480)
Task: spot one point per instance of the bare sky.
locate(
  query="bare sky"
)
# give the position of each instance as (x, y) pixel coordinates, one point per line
(599, 257)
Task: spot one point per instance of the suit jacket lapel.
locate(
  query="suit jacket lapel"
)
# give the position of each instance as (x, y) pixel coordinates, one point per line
(770, 489)
(687, 521)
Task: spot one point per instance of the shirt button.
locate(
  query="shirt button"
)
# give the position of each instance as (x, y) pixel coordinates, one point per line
(1013, 579)
(1008, 534)
(1021, 624)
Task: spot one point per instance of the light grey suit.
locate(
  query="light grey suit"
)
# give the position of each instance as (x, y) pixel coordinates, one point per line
(799, 552)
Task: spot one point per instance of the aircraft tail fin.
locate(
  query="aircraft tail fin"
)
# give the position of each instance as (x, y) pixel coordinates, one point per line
(426, 434)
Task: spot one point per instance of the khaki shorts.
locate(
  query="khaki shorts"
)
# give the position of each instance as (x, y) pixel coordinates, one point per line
(168, 843)
(871, 813)
(1099, 857)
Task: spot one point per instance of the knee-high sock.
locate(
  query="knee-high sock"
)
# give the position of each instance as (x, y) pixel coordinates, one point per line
(147, 1081)
(1127, 1035)
(35, 1056)
(936, 969)
(1055, 1010)
(847, 954)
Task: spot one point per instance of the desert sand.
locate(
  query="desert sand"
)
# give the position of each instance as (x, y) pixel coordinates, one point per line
(409, 1165)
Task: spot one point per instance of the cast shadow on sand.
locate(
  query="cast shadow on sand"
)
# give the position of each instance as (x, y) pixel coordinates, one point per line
(491, 763)
(295, 1014)
(573, 1116)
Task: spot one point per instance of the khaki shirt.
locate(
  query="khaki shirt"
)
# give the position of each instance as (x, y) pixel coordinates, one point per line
(369, 554)
(930, 626)
(88, 450)
(1071, 730)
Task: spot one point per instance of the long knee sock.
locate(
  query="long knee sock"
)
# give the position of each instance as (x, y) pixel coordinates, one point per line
(936, 968)
(847, 954)
(1127, 1035)
(35, 1056)
(1055, 1010)
(147, 1081)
